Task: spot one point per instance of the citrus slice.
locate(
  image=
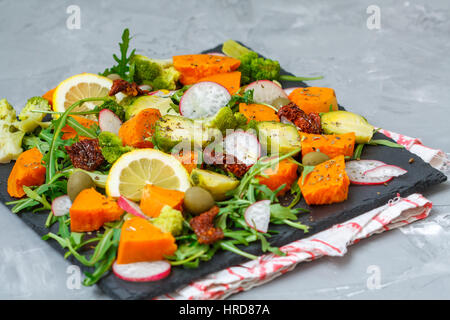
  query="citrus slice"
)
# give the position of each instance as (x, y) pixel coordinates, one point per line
(84, 85)
(134, 170)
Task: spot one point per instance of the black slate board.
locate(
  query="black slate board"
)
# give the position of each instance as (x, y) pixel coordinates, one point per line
(361, 199)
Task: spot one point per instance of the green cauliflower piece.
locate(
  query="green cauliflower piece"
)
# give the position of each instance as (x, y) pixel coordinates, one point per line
(10, 136)
(169, 220)
(7, 112)
(10, 145)
(111, 146)
(31, 120)
(159, 74)
(114, 107)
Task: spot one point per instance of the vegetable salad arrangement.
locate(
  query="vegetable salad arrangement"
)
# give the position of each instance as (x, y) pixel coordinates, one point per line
(160, 163)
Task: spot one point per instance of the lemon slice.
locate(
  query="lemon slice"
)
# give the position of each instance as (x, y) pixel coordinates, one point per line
(84, 85)
(133, 170)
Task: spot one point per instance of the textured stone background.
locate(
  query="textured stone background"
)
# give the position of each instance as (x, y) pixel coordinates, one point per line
(397, 76)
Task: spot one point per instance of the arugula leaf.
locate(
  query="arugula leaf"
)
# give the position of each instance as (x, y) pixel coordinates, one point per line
(236, 99)
(384, 142)
(123, 67)
(306, 170)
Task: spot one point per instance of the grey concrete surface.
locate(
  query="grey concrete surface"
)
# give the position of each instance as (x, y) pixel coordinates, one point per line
(398, 76)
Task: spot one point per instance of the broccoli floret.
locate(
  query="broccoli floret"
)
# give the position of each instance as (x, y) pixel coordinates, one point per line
(114, 107)
(224, 119)
(241, 120)
(167, 80)
(160, 74)
(254, 67)
(7, 112)
(169, 220)
(31, 120)
(111, 146)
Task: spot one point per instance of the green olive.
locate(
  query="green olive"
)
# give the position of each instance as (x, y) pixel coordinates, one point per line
(77, 182)
(314, 158)
(198, 200)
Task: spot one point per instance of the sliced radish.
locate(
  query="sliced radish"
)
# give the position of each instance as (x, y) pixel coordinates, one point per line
(289, 90)
(145, 87)
(356, 171)
(109, 121)
(142, 271)
(266, 91)
(257, 215)
(61, 206)
(131, 207)
(244, 146)
(385, 172)
(203, 99)
(217, 54)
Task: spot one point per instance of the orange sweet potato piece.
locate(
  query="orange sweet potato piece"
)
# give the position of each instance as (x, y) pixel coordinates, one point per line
(27, 171)
(138, 131)
(70, 133)
(332, 145)
(91, 210)
(194, 67)
(327, 183)
(141, 241)
(258, 112)
(230, 80)
(189, 159)
(314, 99)
(49, 96)
(283, 173)
(154, 198)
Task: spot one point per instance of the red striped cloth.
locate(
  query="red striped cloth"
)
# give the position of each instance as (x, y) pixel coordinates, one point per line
(331, 242)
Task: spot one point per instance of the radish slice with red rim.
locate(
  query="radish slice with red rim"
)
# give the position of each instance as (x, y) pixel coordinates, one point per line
(257, 215)
(217, 54)
(288, 91)
(266, 91)
(130, 207)
(203, 99)
(109, 121)
(244, 146)
(356, 169)
(385, 171)
(142, 271)
(61, 206)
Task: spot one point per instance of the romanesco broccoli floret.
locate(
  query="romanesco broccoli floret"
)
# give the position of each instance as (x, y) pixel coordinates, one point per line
(169, 220)
(254, 68)
(111, 146)
(30, 120)
(114, 107)
(159, 74)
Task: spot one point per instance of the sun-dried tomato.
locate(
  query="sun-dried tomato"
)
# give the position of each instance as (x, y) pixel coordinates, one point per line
(128, 88)
(308, 123)
(227, 162)
(203, 226)
(86, 154)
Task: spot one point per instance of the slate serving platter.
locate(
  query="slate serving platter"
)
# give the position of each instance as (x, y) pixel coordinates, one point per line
(361, 199)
